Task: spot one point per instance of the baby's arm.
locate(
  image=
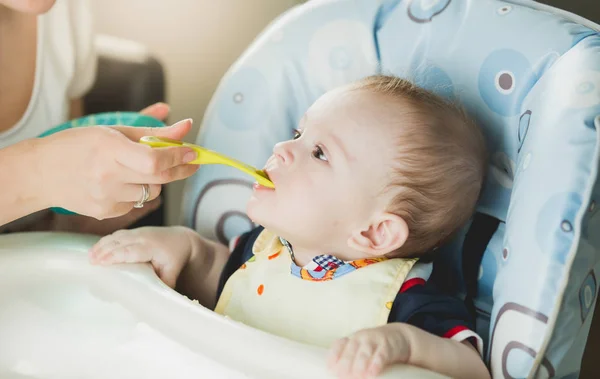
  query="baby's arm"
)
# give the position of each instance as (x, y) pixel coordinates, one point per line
(425, 328)
(180, 256)
(199, 279)
(367, 352)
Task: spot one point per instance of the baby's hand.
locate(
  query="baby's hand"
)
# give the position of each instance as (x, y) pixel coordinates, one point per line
(168, 249)
(367, 352)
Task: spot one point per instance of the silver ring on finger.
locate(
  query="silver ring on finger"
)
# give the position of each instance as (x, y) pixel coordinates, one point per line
(145, 196)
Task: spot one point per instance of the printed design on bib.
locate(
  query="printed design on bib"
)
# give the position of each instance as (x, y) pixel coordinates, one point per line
(321, 275)
(321, 268)
(253, 259)
(273, 256)
(276, 295)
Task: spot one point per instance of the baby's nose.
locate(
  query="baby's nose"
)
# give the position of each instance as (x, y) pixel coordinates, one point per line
(283, 153)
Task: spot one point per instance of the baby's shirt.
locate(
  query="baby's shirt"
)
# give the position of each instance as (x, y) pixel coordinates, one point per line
(328, 298)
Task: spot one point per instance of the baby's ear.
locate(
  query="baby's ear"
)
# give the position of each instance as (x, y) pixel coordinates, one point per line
(386, 233)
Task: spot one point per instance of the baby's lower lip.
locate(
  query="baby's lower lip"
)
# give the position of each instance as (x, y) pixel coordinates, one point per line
(260, 187)
(267, 171)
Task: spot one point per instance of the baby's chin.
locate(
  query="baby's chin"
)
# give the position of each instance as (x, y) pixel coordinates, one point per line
(265, 217)
(258, 213)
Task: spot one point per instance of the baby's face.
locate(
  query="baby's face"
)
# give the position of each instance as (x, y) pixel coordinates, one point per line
(329, 179)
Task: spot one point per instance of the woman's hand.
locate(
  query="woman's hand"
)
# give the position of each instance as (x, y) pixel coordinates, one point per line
(99, 171)
(89, 225)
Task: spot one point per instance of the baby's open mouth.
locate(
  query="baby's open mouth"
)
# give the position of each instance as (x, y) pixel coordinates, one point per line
(258, 186)
(262, 184)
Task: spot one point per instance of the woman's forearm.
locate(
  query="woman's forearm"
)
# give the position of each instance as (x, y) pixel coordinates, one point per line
(22, 189)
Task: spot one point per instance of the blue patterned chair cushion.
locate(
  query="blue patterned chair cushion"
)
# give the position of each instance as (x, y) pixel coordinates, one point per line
(528, 74)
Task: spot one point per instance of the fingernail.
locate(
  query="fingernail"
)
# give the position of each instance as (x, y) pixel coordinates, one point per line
(190, 156)
(182, 122)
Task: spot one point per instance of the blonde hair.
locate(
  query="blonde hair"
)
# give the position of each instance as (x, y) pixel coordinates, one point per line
(440, 165)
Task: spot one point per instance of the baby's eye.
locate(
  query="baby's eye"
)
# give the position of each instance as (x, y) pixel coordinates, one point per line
(318, 153)
(297, 134)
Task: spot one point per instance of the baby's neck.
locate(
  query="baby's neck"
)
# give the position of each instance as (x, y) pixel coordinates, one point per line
(303, 256)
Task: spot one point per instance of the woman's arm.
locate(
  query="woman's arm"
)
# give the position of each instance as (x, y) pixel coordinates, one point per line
(76, 108)
(93, 171)
(22, 191)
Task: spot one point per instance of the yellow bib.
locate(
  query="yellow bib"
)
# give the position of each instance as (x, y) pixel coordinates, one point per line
(264, 294)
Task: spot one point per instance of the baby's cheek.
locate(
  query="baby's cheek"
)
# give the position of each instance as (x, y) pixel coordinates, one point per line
(303, 181)
(317, 199)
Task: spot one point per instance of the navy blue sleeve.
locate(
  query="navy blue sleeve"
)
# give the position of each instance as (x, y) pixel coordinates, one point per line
(239, 255)
(427, 308)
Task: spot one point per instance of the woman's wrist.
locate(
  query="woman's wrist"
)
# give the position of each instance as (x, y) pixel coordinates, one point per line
(32, 174)
(24, 191)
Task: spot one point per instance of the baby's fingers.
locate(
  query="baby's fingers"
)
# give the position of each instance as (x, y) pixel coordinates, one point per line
(119, 248)
(102, 248)
(343, 366)
(110, 254)
(362, 360)
(377, 363)
(118, 238)
(335, 352)
(134, 253)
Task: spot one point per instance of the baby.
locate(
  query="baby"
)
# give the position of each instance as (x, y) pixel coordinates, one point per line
(378, 175)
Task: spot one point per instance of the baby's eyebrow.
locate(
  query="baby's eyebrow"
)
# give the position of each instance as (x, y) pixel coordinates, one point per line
(338, 143)
(304, 119)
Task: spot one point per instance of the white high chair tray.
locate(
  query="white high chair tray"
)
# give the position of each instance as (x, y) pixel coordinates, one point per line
(61, 317)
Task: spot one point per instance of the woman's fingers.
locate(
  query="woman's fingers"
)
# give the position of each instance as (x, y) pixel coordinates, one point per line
(132, 193)
(167, 176)
(154, 165)
(176, 131)
(159, 111)
(149, 161)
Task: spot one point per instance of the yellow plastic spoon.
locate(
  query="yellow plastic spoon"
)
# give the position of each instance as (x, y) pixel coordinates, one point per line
(206, 156)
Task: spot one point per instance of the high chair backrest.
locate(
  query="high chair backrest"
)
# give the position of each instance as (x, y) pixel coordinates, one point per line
(529, 75)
